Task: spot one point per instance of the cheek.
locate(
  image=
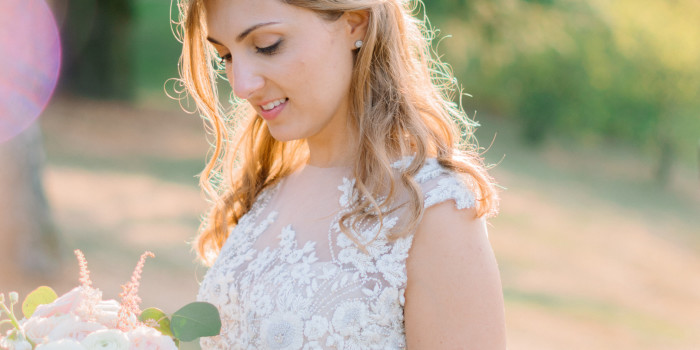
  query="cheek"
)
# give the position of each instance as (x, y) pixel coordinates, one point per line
(323, 73)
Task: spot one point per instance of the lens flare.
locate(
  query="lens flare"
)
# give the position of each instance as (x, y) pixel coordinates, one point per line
(30, 58)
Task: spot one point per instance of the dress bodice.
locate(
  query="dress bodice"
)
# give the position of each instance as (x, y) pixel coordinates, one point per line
(288, 278)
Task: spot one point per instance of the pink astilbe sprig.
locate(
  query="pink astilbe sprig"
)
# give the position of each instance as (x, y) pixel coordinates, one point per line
(84, 272)
(89, 296)
(129, 310)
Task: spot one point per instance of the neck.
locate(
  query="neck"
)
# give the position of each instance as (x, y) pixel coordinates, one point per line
(337, 151)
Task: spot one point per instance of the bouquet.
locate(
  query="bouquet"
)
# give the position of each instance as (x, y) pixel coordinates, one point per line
(81, 320)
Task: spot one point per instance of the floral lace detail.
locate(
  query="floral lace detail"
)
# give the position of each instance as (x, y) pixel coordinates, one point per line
(285, 297)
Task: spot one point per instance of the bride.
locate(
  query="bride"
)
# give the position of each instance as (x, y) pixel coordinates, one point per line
(349, 198)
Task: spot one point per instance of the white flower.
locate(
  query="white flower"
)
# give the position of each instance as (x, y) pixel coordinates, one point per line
(72, 327)
(147, 338)
(316, 327)
(284, 332)
(107, 339)
(37, 329)
(107, 313)
(63, 344)
(14, 341)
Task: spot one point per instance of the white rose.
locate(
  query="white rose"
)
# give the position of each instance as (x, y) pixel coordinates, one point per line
(107, 339)
(73, 328)
(147, 338)
(37, 329)
(64, 344)
(107, 313)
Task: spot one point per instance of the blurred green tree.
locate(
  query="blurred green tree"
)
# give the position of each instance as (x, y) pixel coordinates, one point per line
(97, 46)
(626, 70)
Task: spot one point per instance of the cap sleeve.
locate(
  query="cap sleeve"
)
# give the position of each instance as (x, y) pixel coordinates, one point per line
(439, 185)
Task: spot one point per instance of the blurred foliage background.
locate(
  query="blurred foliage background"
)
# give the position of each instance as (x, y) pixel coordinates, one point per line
(590, 110)
(624, 72)
(594, 71)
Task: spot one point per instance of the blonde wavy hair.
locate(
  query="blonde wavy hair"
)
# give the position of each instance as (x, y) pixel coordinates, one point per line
(401, 104)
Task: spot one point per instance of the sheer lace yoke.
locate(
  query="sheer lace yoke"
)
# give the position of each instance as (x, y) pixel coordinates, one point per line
(287, 278)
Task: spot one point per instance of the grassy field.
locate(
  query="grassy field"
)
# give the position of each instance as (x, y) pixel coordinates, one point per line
(592, 254)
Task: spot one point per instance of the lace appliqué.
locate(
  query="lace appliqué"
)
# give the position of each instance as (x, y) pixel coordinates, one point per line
(285, 297)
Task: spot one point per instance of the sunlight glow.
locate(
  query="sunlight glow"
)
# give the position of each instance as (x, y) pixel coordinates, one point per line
(29, 63)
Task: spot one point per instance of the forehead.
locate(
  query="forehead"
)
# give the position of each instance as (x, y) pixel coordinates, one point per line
(228, 18)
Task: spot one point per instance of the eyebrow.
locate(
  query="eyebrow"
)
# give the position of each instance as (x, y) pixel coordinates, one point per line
(244, 34)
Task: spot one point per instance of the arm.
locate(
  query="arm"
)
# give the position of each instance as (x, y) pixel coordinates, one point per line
(454, 298)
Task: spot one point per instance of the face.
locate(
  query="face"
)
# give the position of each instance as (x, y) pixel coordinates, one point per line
(291, 65)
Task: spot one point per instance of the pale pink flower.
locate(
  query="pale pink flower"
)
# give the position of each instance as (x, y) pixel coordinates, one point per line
(107, 313)
(37, 329)
(80, 301)
(64, 344)
(147, 338)
(64, 305)
(73, 328)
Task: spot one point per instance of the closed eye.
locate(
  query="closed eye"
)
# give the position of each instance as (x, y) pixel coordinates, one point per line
(270, 50)
(224, 59)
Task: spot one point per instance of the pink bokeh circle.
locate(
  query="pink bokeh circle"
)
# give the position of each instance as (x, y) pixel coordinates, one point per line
(30, 59)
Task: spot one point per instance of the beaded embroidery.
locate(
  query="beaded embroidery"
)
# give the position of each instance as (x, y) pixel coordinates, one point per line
(287, 298)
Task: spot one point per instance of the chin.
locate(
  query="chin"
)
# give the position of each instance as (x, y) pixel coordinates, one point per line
(283, 135)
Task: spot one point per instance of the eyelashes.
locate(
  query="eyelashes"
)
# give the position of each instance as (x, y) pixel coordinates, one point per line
(268, 51)
(225, 58)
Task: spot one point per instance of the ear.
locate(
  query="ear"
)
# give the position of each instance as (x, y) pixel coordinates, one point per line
(356, 25)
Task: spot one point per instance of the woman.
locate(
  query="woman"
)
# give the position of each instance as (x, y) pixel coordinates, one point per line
(346, 213)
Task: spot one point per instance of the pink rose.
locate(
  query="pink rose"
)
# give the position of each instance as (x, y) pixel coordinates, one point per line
(61, 306)
(73, 328)
(147, 338)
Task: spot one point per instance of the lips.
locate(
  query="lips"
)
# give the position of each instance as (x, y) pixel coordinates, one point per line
(277, 107)
(272, 104)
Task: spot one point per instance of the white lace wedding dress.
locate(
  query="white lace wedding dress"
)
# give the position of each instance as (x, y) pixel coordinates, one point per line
(287, 278)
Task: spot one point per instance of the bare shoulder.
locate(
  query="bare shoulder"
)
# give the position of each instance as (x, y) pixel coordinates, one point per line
(454, 298)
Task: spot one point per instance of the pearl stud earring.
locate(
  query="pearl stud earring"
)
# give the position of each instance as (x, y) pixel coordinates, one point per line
(358, 44)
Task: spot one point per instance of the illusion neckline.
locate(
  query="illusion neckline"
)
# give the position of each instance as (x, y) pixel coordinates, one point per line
(316, 167)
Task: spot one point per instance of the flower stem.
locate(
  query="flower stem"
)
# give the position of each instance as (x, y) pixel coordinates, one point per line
(10, 315)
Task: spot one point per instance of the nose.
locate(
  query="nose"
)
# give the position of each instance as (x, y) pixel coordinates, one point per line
(244, 79)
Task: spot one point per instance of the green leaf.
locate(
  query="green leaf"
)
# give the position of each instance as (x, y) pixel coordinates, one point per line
(157, 319)
(196, 320)
(40, 296)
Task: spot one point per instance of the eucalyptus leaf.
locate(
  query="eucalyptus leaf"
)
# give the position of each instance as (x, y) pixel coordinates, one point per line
(40, 296)
(194, 320)
(157, 319)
